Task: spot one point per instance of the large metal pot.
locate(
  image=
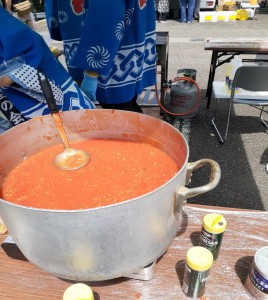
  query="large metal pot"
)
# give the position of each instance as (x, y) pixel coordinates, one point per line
(106, 242)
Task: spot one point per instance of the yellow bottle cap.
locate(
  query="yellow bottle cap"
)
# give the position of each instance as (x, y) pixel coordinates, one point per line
(199, 258)
(214, 223)
(78, 291)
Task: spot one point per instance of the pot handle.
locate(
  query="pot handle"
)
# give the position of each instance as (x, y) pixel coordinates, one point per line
(183, 193)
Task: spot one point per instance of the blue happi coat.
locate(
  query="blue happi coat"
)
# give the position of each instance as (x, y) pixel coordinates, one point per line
(118, 42)
(64, 23)
(20, 42)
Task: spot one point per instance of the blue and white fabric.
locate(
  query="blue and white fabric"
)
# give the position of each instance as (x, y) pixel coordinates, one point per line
(118, 42)
(19, 41)
(64, 23)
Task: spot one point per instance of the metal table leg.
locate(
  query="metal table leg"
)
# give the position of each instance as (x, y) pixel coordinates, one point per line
(162, 48)
(212, 70)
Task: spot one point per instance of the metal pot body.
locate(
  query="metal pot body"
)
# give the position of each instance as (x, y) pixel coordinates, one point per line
(105, 242)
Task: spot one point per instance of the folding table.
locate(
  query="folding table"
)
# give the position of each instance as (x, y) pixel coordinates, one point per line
(223, 50)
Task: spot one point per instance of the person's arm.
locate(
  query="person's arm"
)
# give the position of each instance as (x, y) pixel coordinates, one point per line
(5, 81)
(8, 5)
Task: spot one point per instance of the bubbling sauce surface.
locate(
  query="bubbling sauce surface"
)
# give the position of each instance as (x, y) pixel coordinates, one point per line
(119, 170)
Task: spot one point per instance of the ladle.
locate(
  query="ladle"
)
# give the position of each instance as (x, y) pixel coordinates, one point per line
(69, 159)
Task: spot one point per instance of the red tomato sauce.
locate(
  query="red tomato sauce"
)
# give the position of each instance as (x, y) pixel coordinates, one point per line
(119, 170)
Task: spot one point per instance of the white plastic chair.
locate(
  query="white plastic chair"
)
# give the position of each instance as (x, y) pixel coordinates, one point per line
(254, 82)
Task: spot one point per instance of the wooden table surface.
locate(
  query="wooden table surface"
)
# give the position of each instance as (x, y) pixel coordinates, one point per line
(238, 44)
(246, 232)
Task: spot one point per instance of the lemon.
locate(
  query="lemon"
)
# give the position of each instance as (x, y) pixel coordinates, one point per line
(78, 291)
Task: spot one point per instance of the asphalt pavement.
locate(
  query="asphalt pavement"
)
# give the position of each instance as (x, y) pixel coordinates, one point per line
(244, 181)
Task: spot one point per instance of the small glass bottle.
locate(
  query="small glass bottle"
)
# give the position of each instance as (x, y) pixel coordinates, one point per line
(198, 263)
(212, 233)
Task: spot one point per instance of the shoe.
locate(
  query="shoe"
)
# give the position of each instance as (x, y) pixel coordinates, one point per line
(189, 22)
(182, 21)
(163, 21)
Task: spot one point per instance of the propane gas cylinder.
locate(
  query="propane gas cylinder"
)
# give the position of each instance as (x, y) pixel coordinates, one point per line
(184, 95)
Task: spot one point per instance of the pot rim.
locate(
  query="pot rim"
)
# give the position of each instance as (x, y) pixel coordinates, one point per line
(124, 202)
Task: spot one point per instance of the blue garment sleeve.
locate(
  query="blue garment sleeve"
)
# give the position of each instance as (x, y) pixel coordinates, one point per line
(17, 41)
(101, 36)
(51, 11)
(28, 46)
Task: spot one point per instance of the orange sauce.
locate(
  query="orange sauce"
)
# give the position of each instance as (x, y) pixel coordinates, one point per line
(119, 170)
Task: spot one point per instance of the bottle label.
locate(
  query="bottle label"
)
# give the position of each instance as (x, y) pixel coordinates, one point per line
(211, 241)
(258, 280)
(194, 282)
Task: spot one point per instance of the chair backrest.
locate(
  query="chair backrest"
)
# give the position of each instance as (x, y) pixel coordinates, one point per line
(251, 78)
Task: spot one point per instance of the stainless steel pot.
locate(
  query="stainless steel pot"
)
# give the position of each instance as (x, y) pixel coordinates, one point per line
(106, 242)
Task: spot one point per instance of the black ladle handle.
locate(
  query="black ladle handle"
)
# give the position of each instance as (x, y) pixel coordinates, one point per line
(48, 94)
(47, 91)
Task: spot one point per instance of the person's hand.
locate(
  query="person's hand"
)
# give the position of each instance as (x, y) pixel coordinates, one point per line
(5, 81)
(89, 85)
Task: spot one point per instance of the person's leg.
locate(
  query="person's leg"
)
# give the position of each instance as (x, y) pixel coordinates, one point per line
(30, 21)
(164, 16)
(135, 105)
(26, 19)
(176, 14)
(196, 9)
(191, 4)
(183, 11)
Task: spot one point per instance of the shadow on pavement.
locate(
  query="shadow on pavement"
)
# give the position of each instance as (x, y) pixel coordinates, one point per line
(237, 187)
